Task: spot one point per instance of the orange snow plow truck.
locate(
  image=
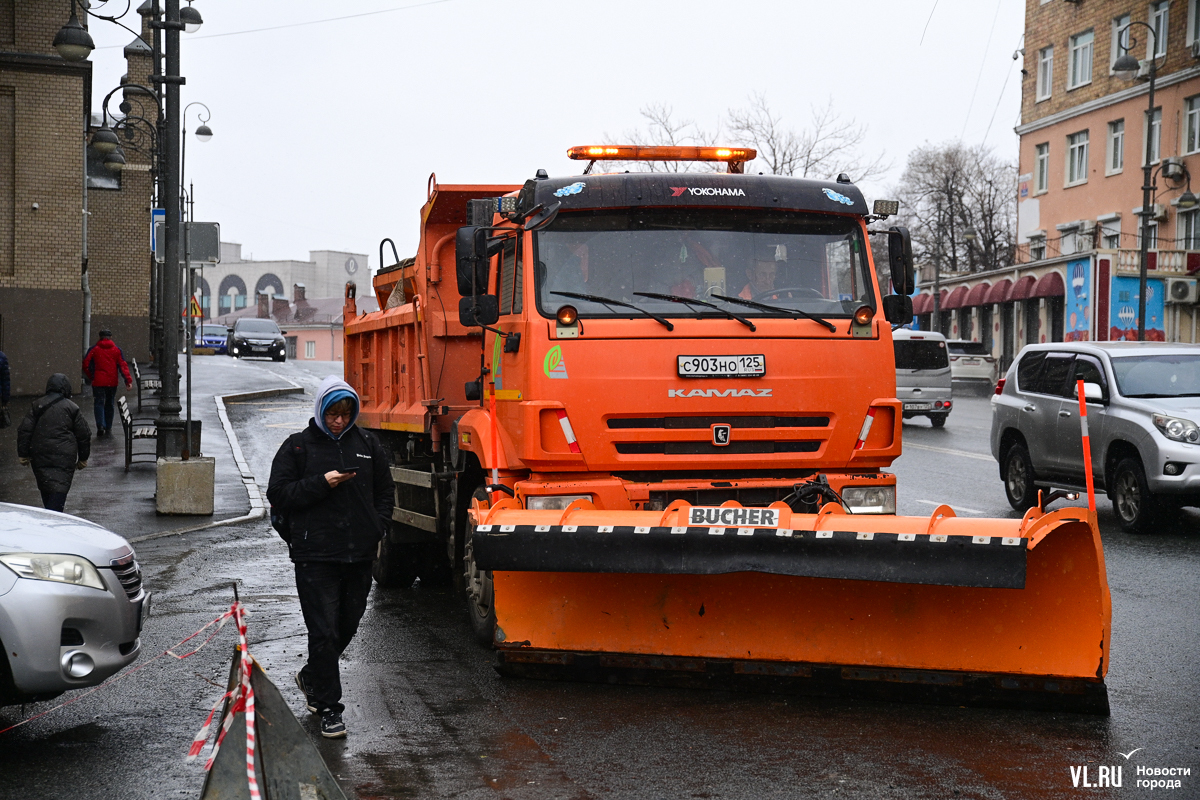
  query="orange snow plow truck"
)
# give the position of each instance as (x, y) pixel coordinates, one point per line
(642, 420)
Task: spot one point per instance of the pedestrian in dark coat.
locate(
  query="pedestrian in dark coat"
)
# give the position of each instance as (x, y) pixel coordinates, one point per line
(333, 482)
(56, 439)
(104, 364)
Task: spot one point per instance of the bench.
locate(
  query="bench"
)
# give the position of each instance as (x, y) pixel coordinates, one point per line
(135, 430)
(149, 384)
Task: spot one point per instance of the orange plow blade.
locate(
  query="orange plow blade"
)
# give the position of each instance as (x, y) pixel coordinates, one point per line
(945, 609)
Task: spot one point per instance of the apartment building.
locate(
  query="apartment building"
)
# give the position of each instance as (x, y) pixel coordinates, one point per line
(1086, 133)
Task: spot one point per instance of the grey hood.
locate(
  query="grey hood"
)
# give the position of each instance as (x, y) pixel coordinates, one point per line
(24, 529)
(329, 392)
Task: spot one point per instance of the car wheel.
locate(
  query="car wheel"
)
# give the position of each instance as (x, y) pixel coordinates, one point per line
(481, 593)
(1018, 478)
(1135, 507)
(938, 420)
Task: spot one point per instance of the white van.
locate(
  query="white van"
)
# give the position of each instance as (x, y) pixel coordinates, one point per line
(923, 374)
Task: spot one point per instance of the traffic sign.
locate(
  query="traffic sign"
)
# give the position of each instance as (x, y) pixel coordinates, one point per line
(194, 308)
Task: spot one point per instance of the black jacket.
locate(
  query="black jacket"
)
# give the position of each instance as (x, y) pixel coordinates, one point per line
(342, 524)
(54, 435)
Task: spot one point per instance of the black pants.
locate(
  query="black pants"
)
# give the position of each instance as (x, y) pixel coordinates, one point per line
(53, 501)
(103, 398)
(333, 597)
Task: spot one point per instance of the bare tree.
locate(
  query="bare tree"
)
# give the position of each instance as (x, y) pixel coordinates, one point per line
(958, 203)
(828, 146)
(663, 129)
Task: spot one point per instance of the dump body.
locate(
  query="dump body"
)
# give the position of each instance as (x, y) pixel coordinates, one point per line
(634, 404)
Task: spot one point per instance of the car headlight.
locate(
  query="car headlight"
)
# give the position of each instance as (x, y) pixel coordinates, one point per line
(1181, 430)
(870, 499)
(554, 502)
(54, 567)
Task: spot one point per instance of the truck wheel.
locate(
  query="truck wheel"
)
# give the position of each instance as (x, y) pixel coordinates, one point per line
(1018, 478)
(481, 593)
(1136, 508)
(938, 420)
(395, 564)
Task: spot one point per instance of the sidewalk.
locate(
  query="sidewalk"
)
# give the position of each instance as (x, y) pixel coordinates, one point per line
(124, 501)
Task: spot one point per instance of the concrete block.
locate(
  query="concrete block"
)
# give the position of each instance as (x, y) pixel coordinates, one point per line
(186, 487)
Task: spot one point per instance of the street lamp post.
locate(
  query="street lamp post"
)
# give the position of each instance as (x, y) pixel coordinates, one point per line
(203, 133)
(1128, 66)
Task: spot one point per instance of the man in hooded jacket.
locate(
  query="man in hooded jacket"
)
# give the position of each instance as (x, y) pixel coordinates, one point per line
(104, 364)
(333, 483)
(56, 439)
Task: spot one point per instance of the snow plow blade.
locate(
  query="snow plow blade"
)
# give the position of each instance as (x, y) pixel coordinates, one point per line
(989, 612)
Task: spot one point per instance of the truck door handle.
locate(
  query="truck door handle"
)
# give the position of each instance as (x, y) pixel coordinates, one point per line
(1030, 407)
(1064, 413)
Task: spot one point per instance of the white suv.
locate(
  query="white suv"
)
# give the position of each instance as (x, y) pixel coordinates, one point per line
(1143, 402)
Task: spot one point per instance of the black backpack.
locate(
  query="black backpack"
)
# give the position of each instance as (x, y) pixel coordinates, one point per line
(281, 520)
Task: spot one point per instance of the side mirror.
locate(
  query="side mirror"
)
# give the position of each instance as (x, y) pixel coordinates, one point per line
(543, 217)
(470, 256)
(283, 333)
(482, 309)
(898, 309)
(900, 259)
(1091, 391)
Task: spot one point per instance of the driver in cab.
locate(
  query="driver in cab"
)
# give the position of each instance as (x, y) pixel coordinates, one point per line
(761, 274)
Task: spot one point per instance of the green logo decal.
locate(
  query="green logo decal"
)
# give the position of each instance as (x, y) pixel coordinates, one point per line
(496, 364)
(554, 366)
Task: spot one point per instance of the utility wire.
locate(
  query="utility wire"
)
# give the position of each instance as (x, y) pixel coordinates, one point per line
(310, 22)
(982, 65)
(927, 21)
(1000, 99)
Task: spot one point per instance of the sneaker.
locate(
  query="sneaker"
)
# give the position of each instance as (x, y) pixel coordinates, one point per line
(332, 726)
(309, 702)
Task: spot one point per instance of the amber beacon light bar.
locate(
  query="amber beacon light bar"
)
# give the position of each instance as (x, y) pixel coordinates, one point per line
(735, 157)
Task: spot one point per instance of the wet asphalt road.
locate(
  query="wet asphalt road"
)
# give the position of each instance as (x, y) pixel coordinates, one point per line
(428, 716)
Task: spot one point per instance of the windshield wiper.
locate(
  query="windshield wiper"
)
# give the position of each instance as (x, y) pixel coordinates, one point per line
(608, 301)
(765, 307)
(692, 302)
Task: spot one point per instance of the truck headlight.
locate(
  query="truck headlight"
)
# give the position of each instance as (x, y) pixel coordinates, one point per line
(1181, 430)
(870, 499)
(54, 567)
(554, 502)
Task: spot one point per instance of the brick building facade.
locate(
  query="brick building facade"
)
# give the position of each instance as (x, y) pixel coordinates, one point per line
(47, 236)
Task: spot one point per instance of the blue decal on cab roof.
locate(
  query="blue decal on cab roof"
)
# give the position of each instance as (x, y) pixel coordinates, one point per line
(840, 198)
(574, 188)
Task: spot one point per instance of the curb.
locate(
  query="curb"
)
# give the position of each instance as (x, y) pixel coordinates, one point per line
(258, 503)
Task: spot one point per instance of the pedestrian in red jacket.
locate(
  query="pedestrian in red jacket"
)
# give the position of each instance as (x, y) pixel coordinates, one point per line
(104, 365)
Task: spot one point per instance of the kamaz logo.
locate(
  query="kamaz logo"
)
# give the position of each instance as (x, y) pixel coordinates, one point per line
(697, 191)
(718, 393)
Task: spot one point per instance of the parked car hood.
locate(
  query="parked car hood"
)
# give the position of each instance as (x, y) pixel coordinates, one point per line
(1188, 407)
(24, 529)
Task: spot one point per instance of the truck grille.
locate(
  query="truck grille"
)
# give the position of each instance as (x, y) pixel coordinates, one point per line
(707, 448)
(129, 574)
(683, 423)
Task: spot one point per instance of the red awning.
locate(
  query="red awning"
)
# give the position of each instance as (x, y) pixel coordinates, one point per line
(1023, 288)
(978, 295)
(999, 293)
(956, 298)
(922, 304)
(1049, 285)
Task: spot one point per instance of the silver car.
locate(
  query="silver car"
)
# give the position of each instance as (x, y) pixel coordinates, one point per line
(923, 374)
(1143, 403)
(71, 604)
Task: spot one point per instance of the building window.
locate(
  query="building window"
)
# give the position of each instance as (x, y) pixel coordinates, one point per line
(1153, 130)
(1120, 38)
(1045, 72)
(1187, 230)
(1081, 60)
(1191, 125)
(310, 349)
(1193, 21)
(1077, 153)
(1037, 248)
(1157, 46)
(291, 347)
(1152, 238)
(1041, 168)
(1110, 233)
(1115, 158)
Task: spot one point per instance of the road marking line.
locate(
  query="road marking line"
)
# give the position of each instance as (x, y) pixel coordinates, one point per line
(963, 453)
(958, 508)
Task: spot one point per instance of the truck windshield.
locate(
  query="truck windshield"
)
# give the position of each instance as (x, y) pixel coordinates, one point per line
(1158, 376)
(812, 262)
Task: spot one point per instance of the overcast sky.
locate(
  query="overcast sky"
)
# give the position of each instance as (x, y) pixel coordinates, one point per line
(325, 134)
